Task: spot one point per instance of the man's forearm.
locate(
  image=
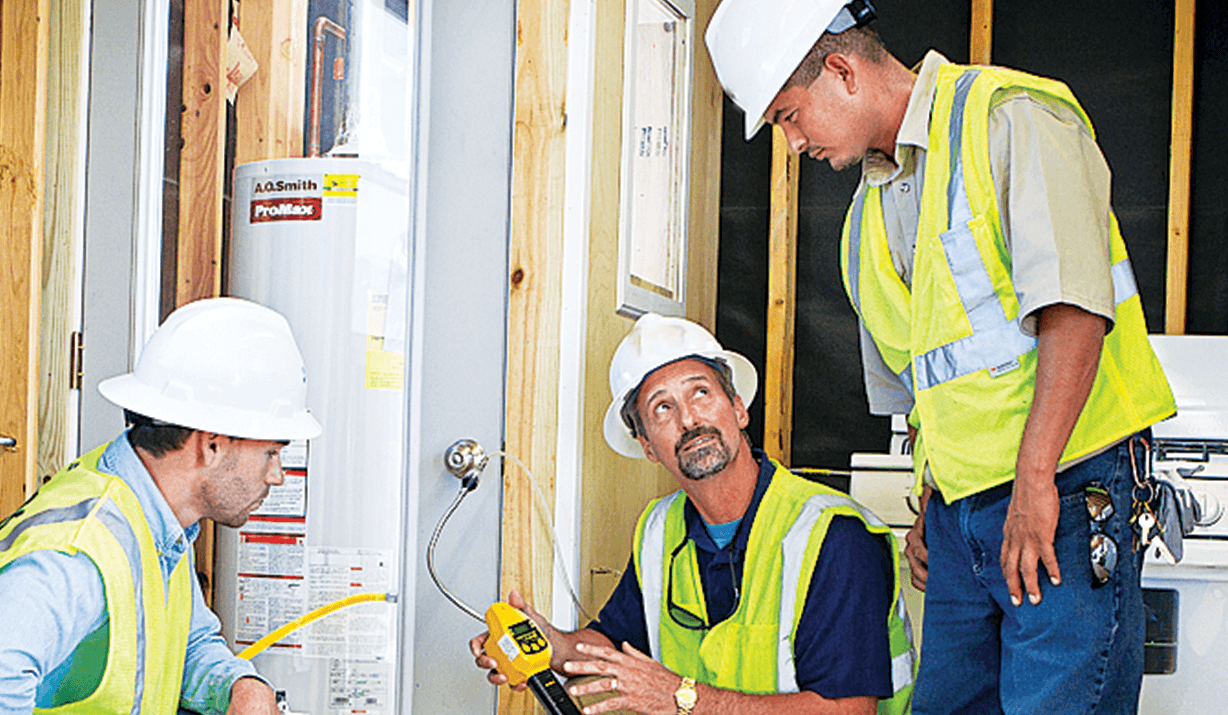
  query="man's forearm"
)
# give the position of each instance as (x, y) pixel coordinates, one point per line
(717, 701)
(1070, 340)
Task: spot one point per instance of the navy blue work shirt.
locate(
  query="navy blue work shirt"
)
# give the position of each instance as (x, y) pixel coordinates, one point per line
(842, 648)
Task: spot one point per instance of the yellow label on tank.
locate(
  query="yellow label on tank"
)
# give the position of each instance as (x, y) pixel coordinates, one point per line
(341, 185)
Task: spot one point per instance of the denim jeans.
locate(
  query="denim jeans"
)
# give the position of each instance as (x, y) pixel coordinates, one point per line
(1079, 651)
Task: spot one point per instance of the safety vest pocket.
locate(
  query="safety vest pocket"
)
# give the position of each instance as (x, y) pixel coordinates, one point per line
(728, 663)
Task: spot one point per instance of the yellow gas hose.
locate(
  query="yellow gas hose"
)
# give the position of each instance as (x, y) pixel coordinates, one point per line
(256, 648)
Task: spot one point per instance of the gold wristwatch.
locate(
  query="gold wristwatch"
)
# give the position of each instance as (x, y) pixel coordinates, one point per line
(685, 696)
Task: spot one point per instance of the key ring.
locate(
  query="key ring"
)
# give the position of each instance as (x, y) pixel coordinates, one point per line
(1142, 486)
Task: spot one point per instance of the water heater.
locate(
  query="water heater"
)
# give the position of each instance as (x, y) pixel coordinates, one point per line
(324, 242)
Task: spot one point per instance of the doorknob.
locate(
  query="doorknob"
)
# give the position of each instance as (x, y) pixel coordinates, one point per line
(8, 443)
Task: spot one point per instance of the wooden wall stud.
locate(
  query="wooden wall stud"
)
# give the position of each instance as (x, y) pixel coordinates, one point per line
(1179, 169)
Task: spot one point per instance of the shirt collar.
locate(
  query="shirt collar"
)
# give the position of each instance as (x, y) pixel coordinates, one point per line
(696, 530)
(878, 168)
(121, 460)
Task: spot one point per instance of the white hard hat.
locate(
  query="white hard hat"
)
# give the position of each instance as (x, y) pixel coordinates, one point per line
(221, 365)
(656, 341)
(756, 45)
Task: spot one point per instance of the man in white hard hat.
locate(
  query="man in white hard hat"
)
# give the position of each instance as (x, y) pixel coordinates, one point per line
(999, 311)
(103, 612)
(749, 590)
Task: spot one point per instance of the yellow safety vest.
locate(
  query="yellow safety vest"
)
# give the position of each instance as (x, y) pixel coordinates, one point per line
(953, 337)
(82, 510)
(752, 650)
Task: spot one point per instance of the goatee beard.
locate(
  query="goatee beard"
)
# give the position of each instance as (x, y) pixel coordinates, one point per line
(705, 461)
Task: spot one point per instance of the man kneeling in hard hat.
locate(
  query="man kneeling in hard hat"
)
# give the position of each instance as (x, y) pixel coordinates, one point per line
(103, 612)
(751, 590)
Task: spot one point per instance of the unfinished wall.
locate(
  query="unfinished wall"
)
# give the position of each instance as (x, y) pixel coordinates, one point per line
(615, 489)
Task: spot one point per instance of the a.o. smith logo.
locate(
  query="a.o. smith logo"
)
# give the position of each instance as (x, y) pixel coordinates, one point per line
(287, 209)
(270, 186)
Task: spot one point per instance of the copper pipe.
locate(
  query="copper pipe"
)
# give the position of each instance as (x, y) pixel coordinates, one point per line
(322, 25)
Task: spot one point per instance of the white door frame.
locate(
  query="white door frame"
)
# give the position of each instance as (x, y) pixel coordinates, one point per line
(122, 265)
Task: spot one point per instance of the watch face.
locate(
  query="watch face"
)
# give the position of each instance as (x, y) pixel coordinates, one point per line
(685, 696)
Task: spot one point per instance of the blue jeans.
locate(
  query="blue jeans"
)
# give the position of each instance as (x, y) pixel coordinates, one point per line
(1079, 651)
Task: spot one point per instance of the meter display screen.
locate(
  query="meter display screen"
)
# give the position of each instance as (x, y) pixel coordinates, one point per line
(528, 637)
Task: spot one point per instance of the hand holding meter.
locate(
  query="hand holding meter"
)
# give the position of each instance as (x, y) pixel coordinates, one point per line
(522, 653)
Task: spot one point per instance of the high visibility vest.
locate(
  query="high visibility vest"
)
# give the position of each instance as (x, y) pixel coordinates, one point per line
(953, 338)
(82, 510)
(752, 650)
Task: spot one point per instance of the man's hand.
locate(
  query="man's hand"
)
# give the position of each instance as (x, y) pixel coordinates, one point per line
(914, 545)
(249, 696)
(1031, 523)
(485, 662)
(1068, 357)
(642, 684)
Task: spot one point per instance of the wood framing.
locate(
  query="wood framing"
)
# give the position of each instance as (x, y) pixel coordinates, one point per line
(1179, 169)
(534, 300)
(23, 76)
(781, 302)
(614, 488)
(202, 166)
(981, 40)
(202, 161)
(62, 229)
(703, 231)
(269, 106)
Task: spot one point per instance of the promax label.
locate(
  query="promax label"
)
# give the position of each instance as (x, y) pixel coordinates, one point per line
(287, 209)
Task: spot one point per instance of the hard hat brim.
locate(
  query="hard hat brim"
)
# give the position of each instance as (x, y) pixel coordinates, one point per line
(130, 393)
(745, 383)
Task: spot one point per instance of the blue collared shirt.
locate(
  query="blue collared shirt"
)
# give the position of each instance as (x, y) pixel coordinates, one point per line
(61, 600)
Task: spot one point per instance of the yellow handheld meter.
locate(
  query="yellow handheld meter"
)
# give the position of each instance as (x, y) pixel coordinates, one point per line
(523, 654)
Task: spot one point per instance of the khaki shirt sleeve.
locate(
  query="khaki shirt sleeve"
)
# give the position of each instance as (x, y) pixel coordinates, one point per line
(886, 393)
(1052, 184)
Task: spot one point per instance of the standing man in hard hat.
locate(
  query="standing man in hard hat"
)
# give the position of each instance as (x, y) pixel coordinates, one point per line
(102, 609)
(750, 590)
(999, 311)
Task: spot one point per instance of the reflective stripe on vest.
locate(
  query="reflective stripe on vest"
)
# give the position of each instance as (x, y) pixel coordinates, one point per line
(995, 343)
(793, 552)
(76, 512)
(113, 518)
(652, 587)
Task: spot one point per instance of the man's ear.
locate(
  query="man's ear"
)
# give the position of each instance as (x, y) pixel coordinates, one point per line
(739, 409)
(843, 69)
(210, 447)
(651, 455)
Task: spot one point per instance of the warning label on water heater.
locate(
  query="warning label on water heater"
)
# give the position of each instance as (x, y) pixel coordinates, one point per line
(299, 208)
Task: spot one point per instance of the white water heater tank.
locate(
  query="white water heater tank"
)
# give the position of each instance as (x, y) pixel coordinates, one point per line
(324, 242)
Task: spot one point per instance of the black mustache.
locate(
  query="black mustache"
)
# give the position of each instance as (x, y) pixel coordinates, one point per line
(693, 433)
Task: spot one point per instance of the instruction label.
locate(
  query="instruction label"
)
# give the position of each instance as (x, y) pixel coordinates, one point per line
(360, 631)
(272, 557)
